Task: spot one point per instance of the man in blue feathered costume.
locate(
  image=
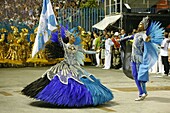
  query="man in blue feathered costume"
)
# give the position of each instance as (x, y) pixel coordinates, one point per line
(144, 53)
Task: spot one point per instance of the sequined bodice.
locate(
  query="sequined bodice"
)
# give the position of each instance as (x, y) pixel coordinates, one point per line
(69, 67)
(69, 57)
(137, 47)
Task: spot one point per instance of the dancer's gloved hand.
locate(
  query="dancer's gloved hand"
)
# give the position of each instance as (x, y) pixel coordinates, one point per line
(148, 38)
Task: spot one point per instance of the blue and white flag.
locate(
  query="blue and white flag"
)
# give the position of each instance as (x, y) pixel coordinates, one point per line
(47, 24)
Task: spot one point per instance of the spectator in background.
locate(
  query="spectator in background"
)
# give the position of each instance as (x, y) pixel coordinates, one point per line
(93, 56)
(116, 51)
(169, 47)
(164, 54)
(122, 43)
(108, 52)
(97, 48)
(73, 4)
(102, 47)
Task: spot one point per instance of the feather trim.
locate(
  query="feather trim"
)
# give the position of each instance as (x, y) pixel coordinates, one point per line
(35, 87)
(72, 94)
(156, 32)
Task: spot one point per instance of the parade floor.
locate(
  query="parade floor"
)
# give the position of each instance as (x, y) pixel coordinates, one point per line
(12, 81)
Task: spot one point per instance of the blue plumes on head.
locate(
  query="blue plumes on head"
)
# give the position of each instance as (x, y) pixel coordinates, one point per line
(54, 37)
(63, 30)
(67, 27)
(77, 40)
(73, 30)
(63, 33)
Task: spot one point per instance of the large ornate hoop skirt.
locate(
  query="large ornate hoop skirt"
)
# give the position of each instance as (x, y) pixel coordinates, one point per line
(73, 94)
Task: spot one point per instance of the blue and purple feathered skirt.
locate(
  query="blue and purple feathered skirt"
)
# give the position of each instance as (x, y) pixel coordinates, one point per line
(72, 94)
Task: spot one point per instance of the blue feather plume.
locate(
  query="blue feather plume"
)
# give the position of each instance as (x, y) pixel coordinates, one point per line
(80, 57)
(100, 93)
(54, 37)
(67, 27)
(74, 94)
(150, 54)
(63, 32)
(73, 30)
(156, 32)
(77, 40)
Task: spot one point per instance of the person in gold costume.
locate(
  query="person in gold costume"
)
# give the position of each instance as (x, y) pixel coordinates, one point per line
(86, 42)
(30, 44)
(23, 51)
(13, 56)
(3, 47)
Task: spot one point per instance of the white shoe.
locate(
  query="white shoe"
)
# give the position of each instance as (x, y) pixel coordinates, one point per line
(142, 97)
(139, 98)
(97, 65)
(105, 68)
(164, 75)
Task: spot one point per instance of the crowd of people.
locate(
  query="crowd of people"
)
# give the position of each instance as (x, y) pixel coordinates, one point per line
(109, 42)
(28, 13)
(23, 11)
(109, 47)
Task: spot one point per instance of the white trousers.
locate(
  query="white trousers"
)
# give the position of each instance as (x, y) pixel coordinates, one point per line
(107, 63)
(158, 67)
(97, 59)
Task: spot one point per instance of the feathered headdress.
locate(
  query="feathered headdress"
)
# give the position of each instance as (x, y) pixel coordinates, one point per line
(64, 33)
(145, 22)
(61, 32)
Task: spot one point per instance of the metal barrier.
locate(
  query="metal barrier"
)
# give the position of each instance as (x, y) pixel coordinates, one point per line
(85, 17)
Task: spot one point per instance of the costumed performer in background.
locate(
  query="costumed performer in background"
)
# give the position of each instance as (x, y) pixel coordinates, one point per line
(144, 53)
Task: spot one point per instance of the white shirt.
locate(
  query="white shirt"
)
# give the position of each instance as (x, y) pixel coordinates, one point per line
(93, 43)
(108, 44)
(164, 50)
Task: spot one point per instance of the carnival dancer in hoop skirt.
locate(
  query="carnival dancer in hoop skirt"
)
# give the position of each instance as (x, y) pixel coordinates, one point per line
(67, 84)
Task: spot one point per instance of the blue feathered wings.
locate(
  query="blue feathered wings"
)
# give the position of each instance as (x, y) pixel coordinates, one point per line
(150, 55)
